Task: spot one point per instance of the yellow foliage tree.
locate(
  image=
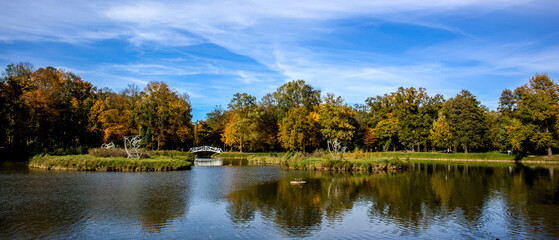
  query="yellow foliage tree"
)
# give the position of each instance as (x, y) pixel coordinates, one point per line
(299, 129)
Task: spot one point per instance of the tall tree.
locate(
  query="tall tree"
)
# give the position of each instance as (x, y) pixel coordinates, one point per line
(299, 129)
(386, 131)
(216, 121)
(337, 120)
(242, 104)
(441, 134)
(164, 117)
(467, 120)
(295, 94)
(14, 113)
(413, 111)
(536, 106)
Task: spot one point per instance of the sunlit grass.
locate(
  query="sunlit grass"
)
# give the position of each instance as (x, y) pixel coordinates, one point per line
(92, 163)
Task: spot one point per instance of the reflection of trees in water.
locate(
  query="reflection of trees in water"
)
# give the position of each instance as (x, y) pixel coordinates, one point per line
(424, 194)
(413, 200)
(38, 208)
(160, 205)
(428, 192)
(152, 199)
(294, 208)
(532, 200)
(63, 204)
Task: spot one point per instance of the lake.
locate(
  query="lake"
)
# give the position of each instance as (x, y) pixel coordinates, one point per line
(234, 201)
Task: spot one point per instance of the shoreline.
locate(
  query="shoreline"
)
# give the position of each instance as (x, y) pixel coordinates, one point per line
(375, 162)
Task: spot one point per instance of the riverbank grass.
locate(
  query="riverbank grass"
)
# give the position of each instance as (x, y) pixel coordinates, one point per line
(356, 165)
(121, 164)
(379, 161)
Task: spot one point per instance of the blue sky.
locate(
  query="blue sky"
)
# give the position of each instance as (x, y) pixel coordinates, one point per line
(354, 49)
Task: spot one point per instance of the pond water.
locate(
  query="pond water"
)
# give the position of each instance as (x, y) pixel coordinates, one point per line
(253, 202)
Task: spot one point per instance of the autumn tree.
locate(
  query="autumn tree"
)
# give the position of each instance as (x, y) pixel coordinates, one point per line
(337, 120)
(59, 103)
(266, 125)
(164, 117)
(298, 130)
(232, 134)
(441, 134)
(536, 107)
(242, 104)
(202, 133)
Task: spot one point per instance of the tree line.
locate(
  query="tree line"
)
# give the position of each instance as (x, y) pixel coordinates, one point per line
(52, 110)
(297, 117)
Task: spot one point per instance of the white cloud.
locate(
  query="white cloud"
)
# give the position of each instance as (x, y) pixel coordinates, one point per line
(274, 33)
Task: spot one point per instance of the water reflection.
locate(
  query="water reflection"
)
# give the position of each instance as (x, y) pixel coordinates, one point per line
(51, 204)
(208, 162)
(427, 201)
(472, 202)
(216, 162)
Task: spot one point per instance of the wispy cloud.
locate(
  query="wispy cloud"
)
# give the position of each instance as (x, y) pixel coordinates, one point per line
(291, 39)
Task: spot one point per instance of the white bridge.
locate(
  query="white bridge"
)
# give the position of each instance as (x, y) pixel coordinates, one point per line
(205, 149)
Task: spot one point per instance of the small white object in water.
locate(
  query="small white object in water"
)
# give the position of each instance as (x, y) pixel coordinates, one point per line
(298, 181)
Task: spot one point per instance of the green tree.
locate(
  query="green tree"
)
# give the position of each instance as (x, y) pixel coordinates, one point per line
(499, 136)
(295, 94)
(467, 120)
(216, 121)
(536, 106)
(412, 109)
(386, 130)
(15, 118)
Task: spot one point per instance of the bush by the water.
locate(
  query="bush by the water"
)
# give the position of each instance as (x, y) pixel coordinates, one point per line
(186, 156)
(107, 152)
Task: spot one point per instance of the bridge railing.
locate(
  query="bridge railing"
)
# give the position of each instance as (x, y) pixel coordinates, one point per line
(205, 149)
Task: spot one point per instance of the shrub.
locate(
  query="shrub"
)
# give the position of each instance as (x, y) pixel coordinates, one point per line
(113, 152)
(185, 156)
(318, 153)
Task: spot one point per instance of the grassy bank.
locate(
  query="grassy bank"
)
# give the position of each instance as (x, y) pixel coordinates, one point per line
(459, 157)
(255, 158)
(318, 161)
(357, 165)
(93, 163)
(381, 161)
(248, 154)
